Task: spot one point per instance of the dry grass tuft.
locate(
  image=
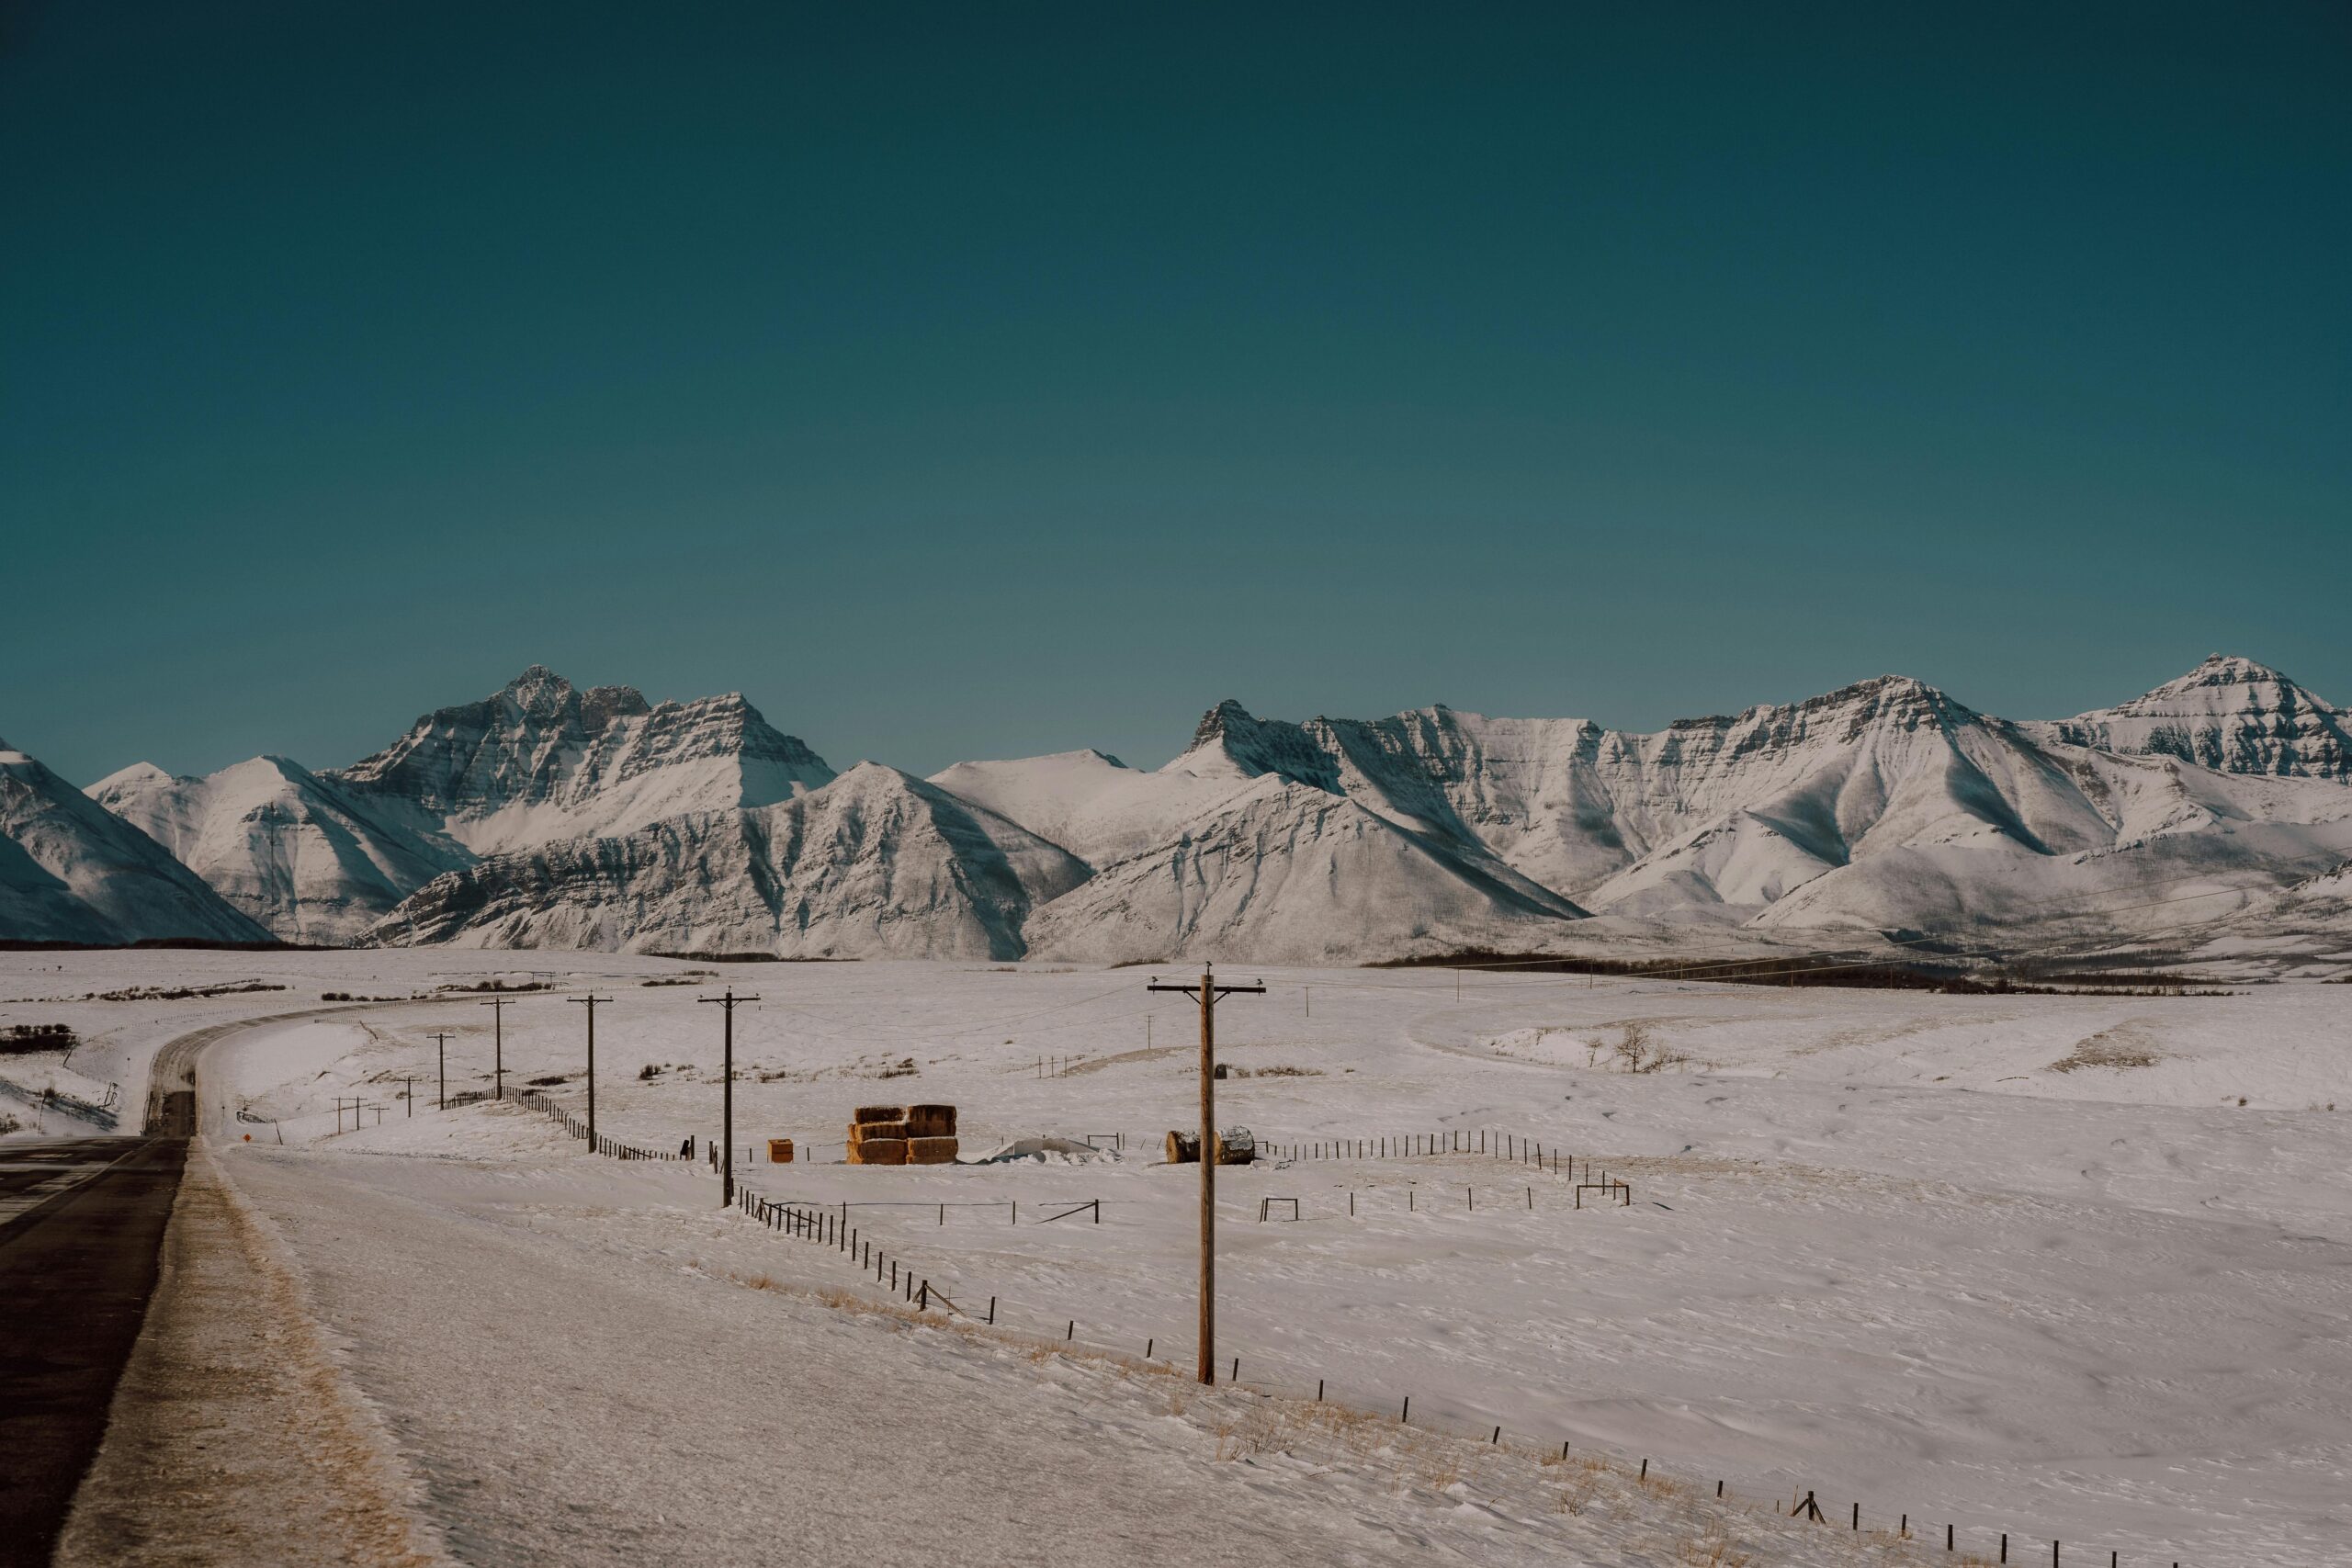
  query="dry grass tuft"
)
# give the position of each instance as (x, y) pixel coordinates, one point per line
(1713, 1549)
(1578, 1490)
(2122, 1046)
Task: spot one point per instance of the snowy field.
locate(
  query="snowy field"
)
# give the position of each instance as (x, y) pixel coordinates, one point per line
(2072, 1267)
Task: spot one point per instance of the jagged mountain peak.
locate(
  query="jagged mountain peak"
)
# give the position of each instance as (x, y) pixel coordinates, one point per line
(2230, 713)
(539, 691)
(2219, 672)
(1231, 743)
(539, 760)
(602, 704)
(1227, 715)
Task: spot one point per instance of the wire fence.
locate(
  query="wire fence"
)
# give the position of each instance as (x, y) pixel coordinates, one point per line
(827, 1225)
(599, 1142)
(1492, 1143)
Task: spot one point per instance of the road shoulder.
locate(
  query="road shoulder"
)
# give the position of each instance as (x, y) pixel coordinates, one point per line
(235, 1437)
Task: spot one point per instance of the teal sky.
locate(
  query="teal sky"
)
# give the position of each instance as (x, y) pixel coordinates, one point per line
(972, 380)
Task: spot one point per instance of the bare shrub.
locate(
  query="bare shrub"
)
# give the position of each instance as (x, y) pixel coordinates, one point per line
(1579, 1488)
(1713, 1549)
(1638, 1052)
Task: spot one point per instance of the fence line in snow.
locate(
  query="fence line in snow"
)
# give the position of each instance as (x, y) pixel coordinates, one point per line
(603, 1144)
(828, 1225)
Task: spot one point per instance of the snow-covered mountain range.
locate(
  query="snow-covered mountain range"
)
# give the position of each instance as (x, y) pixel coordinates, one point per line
(321, 857)
(547, 816)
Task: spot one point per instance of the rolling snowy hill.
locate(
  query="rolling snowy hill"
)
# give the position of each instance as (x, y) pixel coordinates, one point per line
(72, 870)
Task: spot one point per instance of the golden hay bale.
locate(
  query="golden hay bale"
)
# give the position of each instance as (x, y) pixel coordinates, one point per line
(931, 1151)
(930, 1120)
(880, 1113)
(861, 1130)
(878, 1151)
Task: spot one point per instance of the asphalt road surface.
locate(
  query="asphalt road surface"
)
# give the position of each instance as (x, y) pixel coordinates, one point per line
(82, 1223)
(81, 1228)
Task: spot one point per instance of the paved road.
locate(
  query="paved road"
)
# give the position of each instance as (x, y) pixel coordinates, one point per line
(31, 1174)
(82, 1223)
(77, 1266)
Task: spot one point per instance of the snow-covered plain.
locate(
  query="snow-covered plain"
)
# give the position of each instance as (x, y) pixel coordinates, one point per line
(2020, 1263)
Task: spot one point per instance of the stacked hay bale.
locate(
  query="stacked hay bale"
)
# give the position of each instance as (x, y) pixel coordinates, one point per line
(878, 1135)
(1234, 1145)
(903, 1134)
(931, 1134)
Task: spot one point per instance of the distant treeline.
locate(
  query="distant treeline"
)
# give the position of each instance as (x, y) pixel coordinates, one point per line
(747, 958)
(24, 1038)
(1800, 969)
(167, 944)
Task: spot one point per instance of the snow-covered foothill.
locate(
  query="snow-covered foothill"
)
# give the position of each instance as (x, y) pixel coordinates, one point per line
(289, 849)
(874, 863)
(72, 870)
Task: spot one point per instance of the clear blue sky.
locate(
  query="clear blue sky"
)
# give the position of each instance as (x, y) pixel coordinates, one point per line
(985, 379)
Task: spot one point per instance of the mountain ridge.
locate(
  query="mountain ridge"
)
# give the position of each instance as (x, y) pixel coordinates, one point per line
(547, 813)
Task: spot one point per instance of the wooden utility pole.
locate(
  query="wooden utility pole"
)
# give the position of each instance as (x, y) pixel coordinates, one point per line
(727, 1101)
(441, 1042)
(408, 1083)
(1208, 992)
(590, 1000)
(498, 1040)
